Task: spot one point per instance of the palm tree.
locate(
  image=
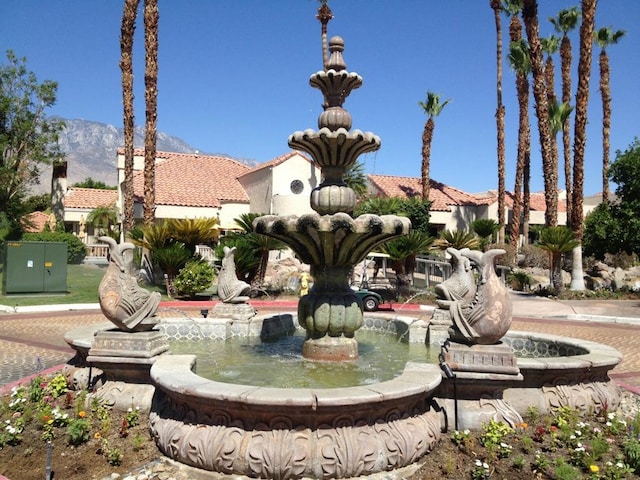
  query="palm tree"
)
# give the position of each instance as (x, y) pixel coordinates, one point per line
(127, 31)
(605, 37)
(521, 63)
(151, 107)
(103, 218)
(557, 241)
(324, 15)
(252, 244)
(496, 6)
(457, 239)
(485, 229)
(402, 253)
(432, 107)
(565, 22)
(530, 19)
(193, 231)
(356, 179)
(580, 135)
(550, 46)
(558, 114)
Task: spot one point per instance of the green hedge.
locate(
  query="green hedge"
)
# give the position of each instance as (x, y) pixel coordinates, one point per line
(75, 248)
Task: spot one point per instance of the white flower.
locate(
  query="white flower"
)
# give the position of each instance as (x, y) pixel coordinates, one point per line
(620, 465)
(478, 463)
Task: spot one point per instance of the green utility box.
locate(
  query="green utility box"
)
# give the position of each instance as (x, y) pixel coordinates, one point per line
(35, 267)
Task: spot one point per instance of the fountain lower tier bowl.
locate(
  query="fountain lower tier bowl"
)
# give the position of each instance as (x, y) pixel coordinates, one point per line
(267, 432)
(350, 431)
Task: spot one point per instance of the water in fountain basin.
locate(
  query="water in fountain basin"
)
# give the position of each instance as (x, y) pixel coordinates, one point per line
(248, 361)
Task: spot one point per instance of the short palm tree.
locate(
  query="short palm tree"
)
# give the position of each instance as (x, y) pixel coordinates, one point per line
(254, 246)
(193, 231)
(103, 218)
(485, 229)
(457, 239)
(356, 179)
(557, 241)
(402, 253)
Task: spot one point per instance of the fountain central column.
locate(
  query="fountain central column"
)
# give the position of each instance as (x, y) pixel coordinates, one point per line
(331, 241)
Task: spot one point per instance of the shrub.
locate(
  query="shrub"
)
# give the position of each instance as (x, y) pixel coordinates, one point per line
(75, 248)
(623, 260)
(520, 280)
(534, 257)
(509, 258)
(195, 277)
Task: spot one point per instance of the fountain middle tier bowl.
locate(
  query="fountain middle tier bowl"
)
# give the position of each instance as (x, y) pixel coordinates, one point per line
(336, 239)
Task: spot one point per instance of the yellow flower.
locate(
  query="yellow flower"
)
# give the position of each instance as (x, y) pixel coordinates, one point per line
(82, 414)
(594, 468)
(97, 435)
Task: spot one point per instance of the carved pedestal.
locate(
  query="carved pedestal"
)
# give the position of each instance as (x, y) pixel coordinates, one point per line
(474, 391)
(438, 331)
(126, 358)
(235, 311)
(497, 359)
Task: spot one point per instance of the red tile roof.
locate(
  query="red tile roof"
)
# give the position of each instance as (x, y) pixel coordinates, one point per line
(194, 180)
(89, 197)
(34, 222)
(536, 201)
(442, 196)
(278, 160)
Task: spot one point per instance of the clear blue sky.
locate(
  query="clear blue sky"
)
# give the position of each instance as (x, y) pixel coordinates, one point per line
(233, 76)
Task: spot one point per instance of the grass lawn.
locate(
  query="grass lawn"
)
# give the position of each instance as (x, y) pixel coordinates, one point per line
(82, 287)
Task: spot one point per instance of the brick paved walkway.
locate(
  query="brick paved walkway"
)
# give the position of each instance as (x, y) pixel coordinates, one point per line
(32, 342)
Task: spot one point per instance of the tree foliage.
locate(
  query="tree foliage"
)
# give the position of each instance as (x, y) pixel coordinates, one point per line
(557, 240)
(75, 248)
(615, 228)
(28, 138)
(91, 183)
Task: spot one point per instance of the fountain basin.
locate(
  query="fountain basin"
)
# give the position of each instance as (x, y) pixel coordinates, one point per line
(293, 433)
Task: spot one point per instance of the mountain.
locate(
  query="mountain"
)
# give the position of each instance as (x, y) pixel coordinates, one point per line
(90, 150)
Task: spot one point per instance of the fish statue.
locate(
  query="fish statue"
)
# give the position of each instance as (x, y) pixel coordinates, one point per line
(487, 318)
(230, 288)
(126, 304)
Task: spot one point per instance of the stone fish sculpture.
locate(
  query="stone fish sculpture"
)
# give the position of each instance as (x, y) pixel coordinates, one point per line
(461, 285)
(487, 318)
(130, 307)
(230, 288)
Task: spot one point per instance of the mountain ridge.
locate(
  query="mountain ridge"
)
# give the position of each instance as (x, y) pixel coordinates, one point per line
(90, 148)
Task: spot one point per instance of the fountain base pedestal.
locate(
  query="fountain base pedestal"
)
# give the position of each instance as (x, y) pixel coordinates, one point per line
(497, 359)
(126, 358)
(333, 349)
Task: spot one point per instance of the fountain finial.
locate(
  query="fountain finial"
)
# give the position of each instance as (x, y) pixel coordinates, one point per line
(336, 47)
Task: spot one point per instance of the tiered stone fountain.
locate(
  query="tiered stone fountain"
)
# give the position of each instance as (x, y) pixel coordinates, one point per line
(331, 241)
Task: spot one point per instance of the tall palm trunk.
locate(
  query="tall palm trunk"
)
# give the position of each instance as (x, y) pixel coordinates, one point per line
(605, 37)
(580, 138)
(605, 93)
(565, 67)
(500, 113)
(566, 21)
(524, 146)
(530, 19)
(126, 65)
(151, 103)
(324, 15)
(427, 137)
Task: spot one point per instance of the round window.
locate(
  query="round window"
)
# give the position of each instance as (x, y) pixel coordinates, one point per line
(297, 187)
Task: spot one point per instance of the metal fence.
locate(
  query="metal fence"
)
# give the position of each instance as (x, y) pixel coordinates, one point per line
(429, 273)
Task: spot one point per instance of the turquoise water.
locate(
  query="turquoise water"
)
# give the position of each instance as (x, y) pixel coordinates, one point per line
(248, 361)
